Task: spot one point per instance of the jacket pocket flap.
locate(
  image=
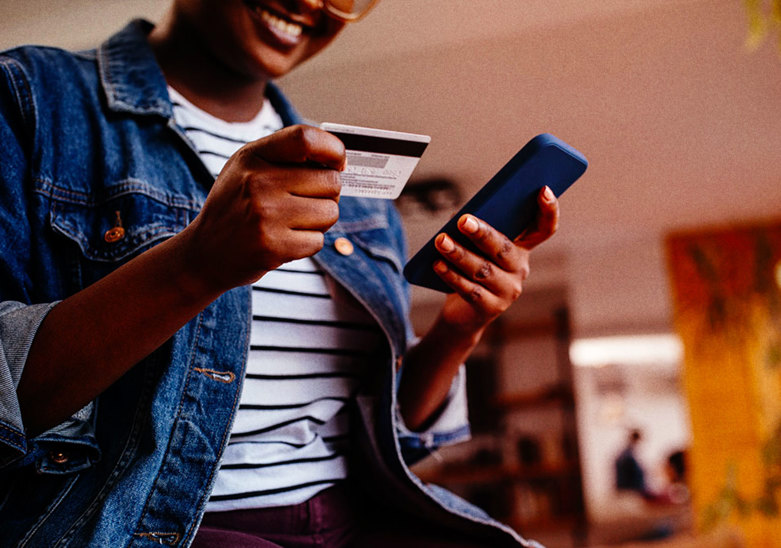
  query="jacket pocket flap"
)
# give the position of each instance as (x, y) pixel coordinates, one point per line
(119, 226)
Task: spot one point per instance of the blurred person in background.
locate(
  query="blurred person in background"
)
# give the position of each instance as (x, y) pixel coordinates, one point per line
(201, 343)
(629, 473)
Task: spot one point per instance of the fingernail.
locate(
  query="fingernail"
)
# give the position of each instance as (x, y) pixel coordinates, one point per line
(440, 267)
(548, 195)
(446, 244)
(470, 225)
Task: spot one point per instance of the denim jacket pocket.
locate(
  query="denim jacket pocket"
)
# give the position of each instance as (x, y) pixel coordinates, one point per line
(128, 219)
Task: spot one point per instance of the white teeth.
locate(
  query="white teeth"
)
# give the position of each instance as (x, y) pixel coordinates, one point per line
(280, 24)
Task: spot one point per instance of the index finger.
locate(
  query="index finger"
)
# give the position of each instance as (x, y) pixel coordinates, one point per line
(301, 145)
(491, 242)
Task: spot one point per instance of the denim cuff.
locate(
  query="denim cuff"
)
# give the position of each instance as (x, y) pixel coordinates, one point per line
(18, 325)
(448, 425)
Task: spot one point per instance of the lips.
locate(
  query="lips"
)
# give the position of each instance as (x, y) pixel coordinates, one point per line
(279, 27)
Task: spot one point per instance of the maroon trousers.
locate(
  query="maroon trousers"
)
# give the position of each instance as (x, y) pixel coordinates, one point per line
(332, 519)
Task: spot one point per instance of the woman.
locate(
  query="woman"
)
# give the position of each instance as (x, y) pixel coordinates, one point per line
(148, 375)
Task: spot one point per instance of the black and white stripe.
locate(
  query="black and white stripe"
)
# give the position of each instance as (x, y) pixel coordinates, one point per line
(306, 359)
(217, 140)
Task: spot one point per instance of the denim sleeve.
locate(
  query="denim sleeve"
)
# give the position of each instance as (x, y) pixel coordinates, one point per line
(450, 423)
(18, 322)
(19, 317)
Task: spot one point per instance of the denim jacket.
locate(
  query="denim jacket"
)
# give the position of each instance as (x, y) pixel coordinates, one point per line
(87, 135)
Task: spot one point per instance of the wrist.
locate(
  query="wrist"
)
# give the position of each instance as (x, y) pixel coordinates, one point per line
(464, 334)
(186, 272)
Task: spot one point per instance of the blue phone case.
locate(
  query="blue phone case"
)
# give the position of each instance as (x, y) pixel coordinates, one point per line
(508, 202)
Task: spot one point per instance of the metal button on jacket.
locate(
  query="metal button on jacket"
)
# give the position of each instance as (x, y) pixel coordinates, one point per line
(344, 246)
(117, 232)
(114, 234)
(58, 457)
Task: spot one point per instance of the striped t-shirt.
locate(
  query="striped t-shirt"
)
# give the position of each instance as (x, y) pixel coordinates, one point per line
(307, 354)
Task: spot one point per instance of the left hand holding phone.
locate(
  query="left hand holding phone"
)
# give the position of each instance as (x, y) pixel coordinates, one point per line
(486, 284)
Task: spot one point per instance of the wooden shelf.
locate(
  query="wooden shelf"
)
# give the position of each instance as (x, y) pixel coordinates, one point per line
(550, 395)
(528, 330)
(467, 474)
(509, 476)
(543, 523)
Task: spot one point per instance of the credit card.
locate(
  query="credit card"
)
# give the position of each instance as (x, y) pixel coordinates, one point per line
(379, 162)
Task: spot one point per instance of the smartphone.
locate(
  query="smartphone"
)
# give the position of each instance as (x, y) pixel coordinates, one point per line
(508, 202)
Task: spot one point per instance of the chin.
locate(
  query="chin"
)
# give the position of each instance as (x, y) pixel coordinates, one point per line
(269, 68)
(272, 63)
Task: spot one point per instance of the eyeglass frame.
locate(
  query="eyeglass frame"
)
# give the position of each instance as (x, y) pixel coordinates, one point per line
(339, 15)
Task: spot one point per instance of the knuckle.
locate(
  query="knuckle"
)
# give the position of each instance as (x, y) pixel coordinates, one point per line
(256, 186)
(243, 153)
(475, 295)
(262, 209)
(266, 240)
(485, 271)
(334, 181)
(308, 245)
(524, 272)
(333, 141)
(301, 135)
(242, 157)
(516, 290)
(318, 241)
(505, 248)
(332, 212)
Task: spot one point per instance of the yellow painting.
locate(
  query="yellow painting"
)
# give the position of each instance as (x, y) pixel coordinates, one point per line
(727, 306)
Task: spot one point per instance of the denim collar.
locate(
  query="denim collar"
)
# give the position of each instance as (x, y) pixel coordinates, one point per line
(133, 81)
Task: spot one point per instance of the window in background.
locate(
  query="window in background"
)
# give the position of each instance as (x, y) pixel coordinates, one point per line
(630, 405)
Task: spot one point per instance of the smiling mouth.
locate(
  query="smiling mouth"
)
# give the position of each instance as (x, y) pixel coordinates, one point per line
(278, 24)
